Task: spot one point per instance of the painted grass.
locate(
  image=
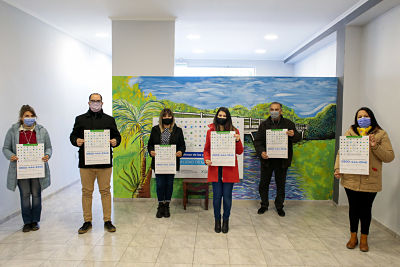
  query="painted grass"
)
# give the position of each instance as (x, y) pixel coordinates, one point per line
(314, 160)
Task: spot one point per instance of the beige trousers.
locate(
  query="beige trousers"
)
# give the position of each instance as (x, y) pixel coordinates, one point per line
(88, 176)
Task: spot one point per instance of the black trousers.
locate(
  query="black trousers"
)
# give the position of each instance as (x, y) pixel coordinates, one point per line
(280, 180)
(360, 206)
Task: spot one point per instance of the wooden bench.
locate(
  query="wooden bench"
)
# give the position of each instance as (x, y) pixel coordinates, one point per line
(190, 188)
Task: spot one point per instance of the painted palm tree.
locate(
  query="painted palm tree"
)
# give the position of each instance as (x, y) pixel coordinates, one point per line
(135, 123)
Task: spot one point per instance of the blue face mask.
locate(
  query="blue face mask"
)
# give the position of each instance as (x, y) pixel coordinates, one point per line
(29, 121)
(364, 122)
(274, 114)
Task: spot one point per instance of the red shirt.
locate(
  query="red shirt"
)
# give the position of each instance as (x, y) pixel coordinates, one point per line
(27, 137)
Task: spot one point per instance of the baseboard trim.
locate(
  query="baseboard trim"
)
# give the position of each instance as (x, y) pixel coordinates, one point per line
(385, 228)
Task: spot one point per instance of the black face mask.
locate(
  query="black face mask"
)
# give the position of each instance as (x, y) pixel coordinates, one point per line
(167, 121)
(221, 121)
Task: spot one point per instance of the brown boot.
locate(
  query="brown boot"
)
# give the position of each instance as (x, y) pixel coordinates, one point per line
(353, 241)
(364, 243)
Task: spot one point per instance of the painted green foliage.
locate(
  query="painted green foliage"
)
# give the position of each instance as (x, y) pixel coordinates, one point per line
(134, 111)
(313, 160)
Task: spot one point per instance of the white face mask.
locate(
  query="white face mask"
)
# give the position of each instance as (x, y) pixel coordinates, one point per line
(95, 106)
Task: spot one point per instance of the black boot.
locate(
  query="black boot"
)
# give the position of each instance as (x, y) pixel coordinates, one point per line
(166, 210)
(225, 226)
(160, 210)
(217, 227)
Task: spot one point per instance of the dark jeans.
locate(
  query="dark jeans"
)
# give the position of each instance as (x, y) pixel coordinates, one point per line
(280, 180)
(360, 206)
(27, 188)
(222, 190)
(165, 186)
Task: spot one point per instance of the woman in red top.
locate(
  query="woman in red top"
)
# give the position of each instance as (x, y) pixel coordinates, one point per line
(222, 178)
(27, 131)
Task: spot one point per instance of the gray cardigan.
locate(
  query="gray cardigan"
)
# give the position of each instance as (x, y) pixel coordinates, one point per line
(10, 147)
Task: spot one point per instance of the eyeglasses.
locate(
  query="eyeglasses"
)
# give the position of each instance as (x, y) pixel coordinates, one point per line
(95, 101)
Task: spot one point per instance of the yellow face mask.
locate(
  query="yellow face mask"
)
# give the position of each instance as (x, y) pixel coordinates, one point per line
(363, 131)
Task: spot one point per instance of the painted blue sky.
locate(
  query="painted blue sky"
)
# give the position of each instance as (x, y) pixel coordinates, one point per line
(307, 96)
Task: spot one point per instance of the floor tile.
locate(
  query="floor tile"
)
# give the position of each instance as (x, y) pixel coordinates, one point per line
(246, 256)
(211, 256)
(175, 255)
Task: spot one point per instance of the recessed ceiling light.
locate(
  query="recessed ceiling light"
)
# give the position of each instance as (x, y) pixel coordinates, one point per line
(271, 37)
(102, 35)
(260, 51)
(198, 51)
(193, 36)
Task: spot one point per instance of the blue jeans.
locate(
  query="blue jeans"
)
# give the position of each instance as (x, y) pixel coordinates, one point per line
(27, 188)
(165, 186)
(222, 190)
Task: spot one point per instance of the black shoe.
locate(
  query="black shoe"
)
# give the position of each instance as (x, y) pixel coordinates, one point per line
(225, 226)
(109, 226)
(27, 228)
(166, 210)
(35, 226)
(160, 210)
(262, 210)
(85, 227)
(281, 212)
(217, 226)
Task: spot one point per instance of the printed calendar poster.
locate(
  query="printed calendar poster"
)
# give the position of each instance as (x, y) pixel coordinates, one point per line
(195, 132)
(354, 155)
(277, 143)
(165, 161)
(223, 148)
(97, 147)
(30, 163)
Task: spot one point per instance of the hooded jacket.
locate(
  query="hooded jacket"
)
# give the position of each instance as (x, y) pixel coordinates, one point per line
(381, 152)
(10, 149)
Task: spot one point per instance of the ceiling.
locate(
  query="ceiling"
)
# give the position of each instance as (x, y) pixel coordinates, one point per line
(228, 29)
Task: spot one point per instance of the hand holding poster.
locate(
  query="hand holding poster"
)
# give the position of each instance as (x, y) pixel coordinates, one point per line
(354, 155)
(195, 132)
(165, 160)
(223, 148)
(30, 163)
(97, 147)
(277, 143)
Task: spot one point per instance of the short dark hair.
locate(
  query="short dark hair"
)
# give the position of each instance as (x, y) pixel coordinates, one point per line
(101, 98)
(276, 103)
(228, 125)
(374, 123)
(24, 109)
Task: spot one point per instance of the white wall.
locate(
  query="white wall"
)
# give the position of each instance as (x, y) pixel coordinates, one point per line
(262, 67)
(143, 48)
(54, 73)
(380, 90)
(321, 63)
(351, 88)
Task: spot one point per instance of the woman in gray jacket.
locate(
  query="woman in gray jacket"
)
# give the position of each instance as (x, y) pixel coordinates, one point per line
(27, 131)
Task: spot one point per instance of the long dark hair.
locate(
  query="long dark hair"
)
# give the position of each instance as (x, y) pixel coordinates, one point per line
(228, 125)
(374, 123)
(166, 112)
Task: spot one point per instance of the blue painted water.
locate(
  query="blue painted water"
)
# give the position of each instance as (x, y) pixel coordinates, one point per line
(248, 187)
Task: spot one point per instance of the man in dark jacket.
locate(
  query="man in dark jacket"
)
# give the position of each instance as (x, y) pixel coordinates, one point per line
(277, 165)
(95, 119)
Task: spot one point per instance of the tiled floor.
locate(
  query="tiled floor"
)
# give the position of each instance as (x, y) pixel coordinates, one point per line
(311, 234)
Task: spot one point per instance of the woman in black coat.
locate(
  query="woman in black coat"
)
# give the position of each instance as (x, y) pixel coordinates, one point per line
(166, 133)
